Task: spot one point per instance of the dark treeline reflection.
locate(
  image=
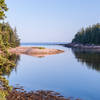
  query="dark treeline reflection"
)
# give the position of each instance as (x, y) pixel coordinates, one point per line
(90, 57)
(6, 70)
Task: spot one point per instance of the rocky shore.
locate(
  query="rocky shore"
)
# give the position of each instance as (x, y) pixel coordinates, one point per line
(35, 51)
(21, 94)
(81, 46)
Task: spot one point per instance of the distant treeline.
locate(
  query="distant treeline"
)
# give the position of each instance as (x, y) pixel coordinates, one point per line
(89, 35)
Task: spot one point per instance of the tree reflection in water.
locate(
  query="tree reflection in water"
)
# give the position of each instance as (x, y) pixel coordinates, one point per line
(90, 57)
(6, 70)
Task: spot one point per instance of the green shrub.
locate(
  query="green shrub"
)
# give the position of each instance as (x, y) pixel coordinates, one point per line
(41, 48)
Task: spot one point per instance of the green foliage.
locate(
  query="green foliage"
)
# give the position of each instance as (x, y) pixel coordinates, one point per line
(9, 35)
(3, 95)
(90, 35)
(7, 63)
(8, 38)
(6, 66)
(4, 88)
(7, 60)
(41, 48)
(3, 8)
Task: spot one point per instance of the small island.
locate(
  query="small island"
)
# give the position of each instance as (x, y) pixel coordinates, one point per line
(34, 51)
(88, 38)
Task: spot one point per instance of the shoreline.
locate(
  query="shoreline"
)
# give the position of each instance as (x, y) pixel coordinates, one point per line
(81, 46)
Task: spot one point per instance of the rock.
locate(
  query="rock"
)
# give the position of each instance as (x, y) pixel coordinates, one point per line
(35, 51)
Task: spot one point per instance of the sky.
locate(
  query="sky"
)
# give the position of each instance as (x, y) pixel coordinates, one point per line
(51, 20)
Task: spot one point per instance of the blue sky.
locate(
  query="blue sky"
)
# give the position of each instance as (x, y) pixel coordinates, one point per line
(51, 20)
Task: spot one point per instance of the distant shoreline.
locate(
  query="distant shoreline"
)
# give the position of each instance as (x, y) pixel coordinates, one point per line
(44, 43)
(81, 46)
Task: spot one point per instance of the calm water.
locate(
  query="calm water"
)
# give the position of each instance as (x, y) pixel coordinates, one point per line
(73, 73)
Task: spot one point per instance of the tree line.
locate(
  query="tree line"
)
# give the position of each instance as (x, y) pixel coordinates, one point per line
(8, 35)
(89, 35)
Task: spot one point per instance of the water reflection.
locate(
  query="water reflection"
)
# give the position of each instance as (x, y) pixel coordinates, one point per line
(8, 92)
(6, 70)
(90, 57)
(15, 58)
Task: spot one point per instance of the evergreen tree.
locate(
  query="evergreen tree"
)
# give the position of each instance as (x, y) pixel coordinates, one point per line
(90, 35)
(3, 9)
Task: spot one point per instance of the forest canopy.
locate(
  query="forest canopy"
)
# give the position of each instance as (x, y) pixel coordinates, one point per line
(89, 35)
